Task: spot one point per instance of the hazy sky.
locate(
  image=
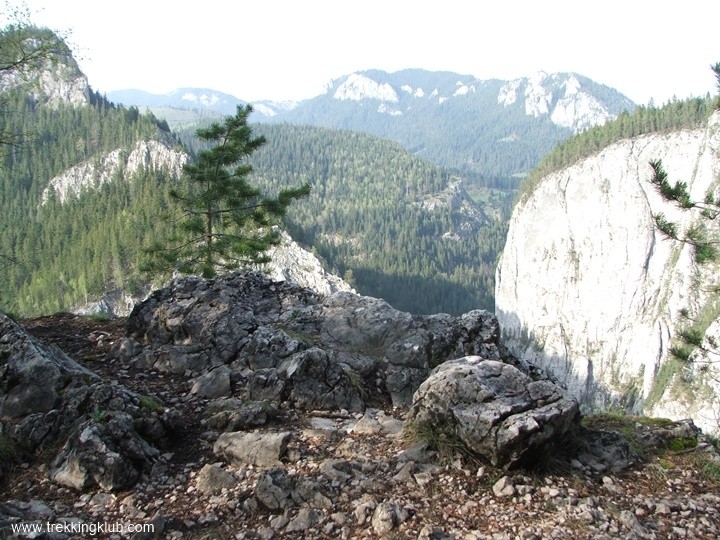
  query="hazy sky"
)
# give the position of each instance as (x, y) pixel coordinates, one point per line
(290, 49)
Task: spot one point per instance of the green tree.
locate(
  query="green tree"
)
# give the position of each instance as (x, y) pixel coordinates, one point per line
(225, 222)
(696, 235)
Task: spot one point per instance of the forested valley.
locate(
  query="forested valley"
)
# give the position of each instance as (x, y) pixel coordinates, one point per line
(370, 216)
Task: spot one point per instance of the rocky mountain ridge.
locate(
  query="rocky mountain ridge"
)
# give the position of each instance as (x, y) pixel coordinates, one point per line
(595, 297)
(55, 80)
(569, 100)
(514, 118)
(95, 172)
(562, 96)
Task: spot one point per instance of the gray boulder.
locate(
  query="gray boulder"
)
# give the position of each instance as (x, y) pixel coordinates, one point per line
(213, 479)
(320, 383)
(261, 449)
(107, 452)
(274, 490)
(214, 384)
(234, 415)
(494, 409)
(32, 375)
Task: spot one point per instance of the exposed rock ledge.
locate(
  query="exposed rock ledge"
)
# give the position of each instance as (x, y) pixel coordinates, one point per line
(224, 416)
(96, 172)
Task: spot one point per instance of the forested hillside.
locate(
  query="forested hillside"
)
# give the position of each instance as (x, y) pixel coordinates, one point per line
(56, 256)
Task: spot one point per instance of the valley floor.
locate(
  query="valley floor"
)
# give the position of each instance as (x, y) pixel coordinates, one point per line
(351, 476)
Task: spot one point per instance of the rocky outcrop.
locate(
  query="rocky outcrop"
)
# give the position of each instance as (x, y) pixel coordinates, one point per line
(33, 376)
(116, 303)
(291, 262)
(98, 171)
(587, 287)
(57, 81)
(567, 98)
(46, 398)
(494, 409)
(291, 344)
(236, 464)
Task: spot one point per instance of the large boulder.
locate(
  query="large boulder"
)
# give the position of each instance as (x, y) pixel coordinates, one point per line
(495, 410)
(105, 451)
(254, 448)
(32, 375)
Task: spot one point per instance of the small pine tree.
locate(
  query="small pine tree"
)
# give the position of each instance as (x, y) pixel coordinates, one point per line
(225, 223)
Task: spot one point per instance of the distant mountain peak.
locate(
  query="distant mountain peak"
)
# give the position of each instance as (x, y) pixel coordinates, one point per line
(358, 86)
(569, 99)
(181, 98)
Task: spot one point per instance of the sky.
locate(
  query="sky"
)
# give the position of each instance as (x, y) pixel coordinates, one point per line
(290, 49)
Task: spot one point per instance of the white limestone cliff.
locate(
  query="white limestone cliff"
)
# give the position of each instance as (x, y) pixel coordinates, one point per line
(588, 289)
(358, 87)
(55, 83)
(560, 96)
(95, 172)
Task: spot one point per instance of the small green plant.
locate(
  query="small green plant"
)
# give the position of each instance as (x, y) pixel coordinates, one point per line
(435, 361)
(682, 352)
(146, 402)
(358, 383)
(441, 438)
(624, 424)
(98, 415)
(682, 443)
(711, 469)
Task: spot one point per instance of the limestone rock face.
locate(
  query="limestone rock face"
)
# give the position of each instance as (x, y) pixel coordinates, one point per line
(55, 83)
(287, 342)
(95, 172)
(46, 398)
(290, 262)
(32, 376)
(564, 97)
(496, 410)
(588, 289)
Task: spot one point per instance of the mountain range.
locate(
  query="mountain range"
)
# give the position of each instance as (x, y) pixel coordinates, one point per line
(496, 128)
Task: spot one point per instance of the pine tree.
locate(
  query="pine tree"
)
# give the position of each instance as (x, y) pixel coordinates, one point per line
(225, 222)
